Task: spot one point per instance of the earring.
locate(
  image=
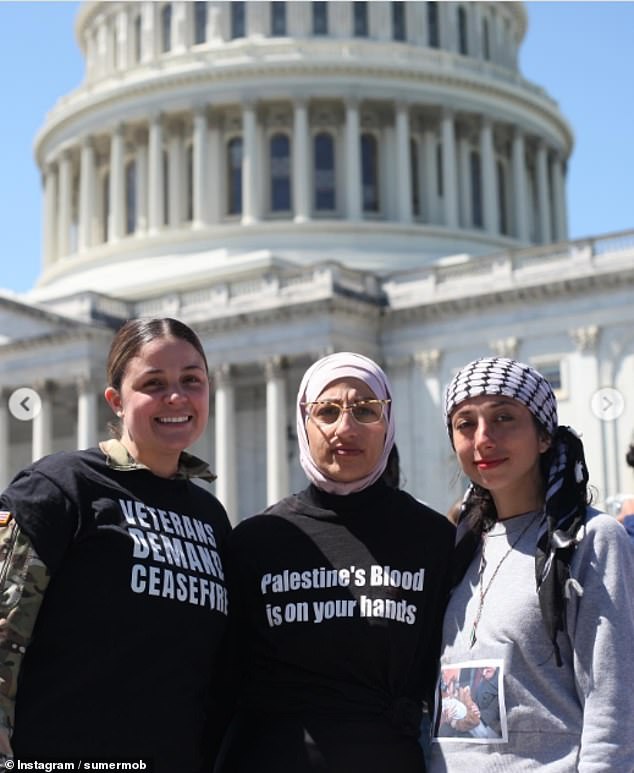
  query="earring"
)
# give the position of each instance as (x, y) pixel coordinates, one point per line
(119, 414)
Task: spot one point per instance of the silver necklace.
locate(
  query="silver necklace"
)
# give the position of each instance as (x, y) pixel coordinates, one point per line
(484, 590)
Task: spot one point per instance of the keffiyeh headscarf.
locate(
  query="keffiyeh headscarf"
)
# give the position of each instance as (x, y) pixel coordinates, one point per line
(335, 367)
(565, 496)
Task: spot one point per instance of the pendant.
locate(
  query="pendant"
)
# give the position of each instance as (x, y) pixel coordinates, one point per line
(473, 637)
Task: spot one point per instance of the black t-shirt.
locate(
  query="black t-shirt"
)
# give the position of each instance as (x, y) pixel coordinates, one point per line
(337, 603)
(123, 661)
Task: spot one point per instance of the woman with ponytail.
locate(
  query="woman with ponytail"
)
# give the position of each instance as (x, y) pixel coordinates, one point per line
(538, 632)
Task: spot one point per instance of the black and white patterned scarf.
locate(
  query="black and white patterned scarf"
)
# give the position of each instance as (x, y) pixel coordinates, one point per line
(565, 497)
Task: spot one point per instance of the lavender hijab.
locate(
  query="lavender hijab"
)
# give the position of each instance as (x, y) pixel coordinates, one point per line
(335, 367)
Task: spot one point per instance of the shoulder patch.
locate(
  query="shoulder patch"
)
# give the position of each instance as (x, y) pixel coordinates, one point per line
(5, 517)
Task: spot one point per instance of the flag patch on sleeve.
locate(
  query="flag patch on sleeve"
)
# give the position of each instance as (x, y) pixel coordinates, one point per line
(5, 517)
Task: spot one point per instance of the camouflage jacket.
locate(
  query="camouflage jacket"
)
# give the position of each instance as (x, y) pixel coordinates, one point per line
(23, 581)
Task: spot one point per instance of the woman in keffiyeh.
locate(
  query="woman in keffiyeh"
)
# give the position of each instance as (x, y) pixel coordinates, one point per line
(539, 629)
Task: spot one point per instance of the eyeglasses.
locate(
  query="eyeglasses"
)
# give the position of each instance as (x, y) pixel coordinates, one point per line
(327, 413)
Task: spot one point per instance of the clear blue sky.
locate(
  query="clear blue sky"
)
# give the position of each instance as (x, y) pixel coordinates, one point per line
(578, 51)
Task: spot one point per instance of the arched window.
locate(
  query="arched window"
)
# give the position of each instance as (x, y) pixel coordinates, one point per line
(360, 20)
(433, 30)
(324, 172)
(280, 160)
(166, 28)
(413, 157)
(138, 27)
(502, 208)
(189, 183)
(234, 176)
(398, 21)
(105, 211)
(320, 18)
(200, 22)
(486, 42)
(238, 19)
(130, 197)
(463, 41)
(370, 173)
(476, 189)
(278, 19)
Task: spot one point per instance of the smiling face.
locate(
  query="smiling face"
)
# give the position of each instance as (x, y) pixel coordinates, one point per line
(346, 451)
(498, 446)
(163, 402)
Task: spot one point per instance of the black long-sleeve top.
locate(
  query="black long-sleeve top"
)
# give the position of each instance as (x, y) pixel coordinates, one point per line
(337, 606)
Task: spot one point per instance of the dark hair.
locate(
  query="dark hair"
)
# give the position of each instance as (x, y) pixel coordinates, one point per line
(135, 333)
(629, 456)
(482, 513)
(392, 473)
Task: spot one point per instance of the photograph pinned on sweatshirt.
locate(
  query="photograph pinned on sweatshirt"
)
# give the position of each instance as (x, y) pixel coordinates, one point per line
(471, 703)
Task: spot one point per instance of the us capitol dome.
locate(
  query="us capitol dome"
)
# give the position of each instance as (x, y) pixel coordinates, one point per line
(295, 178)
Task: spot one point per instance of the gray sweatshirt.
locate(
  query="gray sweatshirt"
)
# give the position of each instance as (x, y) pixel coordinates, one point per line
(559, 720)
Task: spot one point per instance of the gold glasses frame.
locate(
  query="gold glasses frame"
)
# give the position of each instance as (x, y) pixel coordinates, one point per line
(343, 408)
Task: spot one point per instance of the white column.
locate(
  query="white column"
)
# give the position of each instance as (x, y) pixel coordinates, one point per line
(111, 48)
(87, 413)
(448, 26)
(379, 20)
(588, 370)
(148, 31)
(175, 197)
(430, 181)
(90, 43)
(87, 180)
(340, 19)
(301, 154)
(403, 169)
(102, 45)
(42, 428)
(226, 457)
(214, 171)
(5, 474)
(560, 231)
(491, 215)
(520, 189)
(353, 161)
(298, 19)
(256, 19)
(214, 24)
(49, 230)
(117, 186)
(543, 195)
(155, 174)
(277, 478)
(448, 137)
(64, 205)
(179, 26)
(250, 189)
(430, 471)
(418, 24)
(200, 168)
(464, 181)
(141, 184)
(123, 41)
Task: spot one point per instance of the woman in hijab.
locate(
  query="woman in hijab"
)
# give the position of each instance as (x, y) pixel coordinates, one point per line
(337, 596)
(539, 629)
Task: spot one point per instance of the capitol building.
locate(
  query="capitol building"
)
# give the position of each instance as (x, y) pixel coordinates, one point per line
(297, 178)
